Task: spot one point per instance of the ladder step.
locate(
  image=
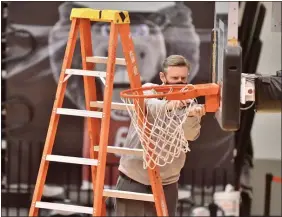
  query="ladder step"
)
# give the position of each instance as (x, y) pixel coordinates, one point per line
(74, 160)
(114, 106)
(64, 207)
(98, 59)
(85, 72)
(128, 195)
(122, 150)
(78, 112)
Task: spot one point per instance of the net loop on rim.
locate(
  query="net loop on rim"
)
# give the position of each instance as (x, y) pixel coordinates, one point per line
(159, 124)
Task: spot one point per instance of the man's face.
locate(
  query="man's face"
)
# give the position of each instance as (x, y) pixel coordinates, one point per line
(175, 75)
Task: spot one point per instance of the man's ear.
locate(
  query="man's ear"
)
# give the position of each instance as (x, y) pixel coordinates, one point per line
(162, 77)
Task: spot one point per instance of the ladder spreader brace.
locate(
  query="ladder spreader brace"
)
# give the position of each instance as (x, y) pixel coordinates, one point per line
(81, 22)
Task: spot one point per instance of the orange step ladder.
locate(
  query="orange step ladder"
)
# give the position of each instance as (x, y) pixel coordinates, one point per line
(119, 25)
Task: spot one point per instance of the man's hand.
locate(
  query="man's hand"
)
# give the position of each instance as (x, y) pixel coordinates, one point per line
(197, 110)
(177, 104)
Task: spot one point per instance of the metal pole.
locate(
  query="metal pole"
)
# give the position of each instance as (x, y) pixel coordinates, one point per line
(233, 22)
(267, 197)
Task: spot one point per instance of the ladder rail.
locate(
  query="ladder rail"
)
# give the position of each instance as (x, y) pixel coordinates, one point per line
(105, 127)
(54, 120)
(90, 94)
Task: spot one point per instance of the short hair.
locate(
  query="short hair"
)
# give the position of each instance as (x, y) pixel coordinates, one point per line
(175, 60)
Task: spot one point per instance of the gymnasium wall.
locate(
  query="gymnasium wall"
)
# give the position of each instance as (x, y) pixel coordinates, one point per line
(34, 78)
(266, 133)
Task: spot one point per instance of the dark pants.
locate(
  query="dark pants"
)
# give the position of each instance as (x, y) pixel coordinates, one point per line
(125, 207)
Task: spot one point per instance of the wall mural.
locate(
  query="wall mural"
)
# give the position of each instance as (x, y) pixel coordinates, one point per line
(183, 28)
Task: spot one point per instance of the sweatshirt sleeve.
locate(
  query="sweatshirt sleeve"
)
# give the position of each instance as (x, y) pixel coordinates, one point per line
(191, 128)
(153, 104)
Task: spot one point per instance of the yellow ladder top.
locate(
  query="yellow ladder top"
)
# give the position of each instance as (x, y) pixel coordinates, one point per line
(115, 16)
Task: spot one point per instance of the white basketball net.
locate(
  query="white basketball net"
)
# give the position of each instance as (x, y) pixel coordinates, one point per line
(161, 136)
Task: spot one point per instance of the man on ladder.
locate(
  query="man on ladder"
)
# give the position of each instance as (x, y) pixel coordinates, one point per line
(133, 177)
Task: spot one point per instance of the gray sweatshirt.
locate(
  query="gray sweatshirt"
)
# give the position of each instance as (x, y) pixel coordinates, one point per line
(132, 166)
